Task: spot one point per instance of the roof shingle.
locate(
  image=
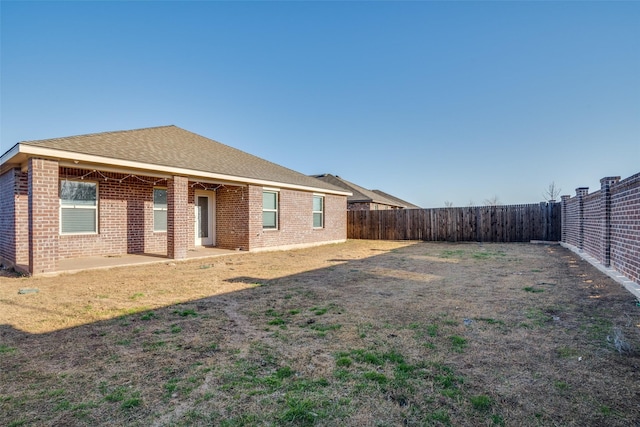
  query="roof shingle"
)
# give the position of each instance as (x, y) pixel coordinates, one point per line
(361, 194)
(172, 146)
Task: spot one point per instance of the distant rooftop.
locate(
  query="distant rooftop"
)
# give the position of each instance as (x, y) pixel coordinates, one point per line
(363, 195)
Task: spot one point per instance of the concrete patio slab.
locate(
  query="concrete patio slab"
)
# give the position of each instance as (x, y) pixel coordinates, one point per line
(75, 265)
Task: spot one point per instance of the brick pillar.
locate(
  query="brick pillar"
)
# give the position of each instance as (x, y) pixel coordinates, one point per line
(177, 217)
(22, 219)
(14, 219)
(580, 193)
(563, 217)
(44, 215)
(605, 194)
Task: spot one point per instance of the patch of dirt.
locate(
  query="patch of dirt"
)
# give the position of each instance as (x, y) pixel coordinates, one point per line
(243, 330)
(355, 334)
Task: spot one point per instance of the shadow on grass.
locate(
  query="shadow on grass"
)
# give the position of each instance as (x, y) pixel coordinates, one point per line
(379, 339)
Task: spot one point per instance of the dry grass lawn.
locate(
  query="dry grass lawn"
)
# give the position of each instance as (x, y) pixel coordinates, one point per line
(365, 333)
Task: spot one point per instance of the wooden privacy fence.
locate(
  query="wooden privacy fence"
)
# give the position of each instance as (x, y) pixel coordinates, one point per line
(511, 223)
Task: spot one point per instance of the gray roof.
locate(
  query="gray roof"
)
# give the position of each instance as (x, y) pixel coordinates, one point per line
(399, 201)
(174, 147)
(361, 194)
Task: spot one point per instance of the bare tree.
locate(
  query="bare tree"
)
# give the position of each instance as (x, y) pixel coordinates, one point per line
(471, 204)
(552, 192)
(494, 201)
(448, 204)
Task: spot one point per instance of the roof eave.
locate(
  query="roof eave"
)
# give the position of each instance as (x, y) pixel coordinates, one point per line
(10, 154)
(10, 159)
(92, 160)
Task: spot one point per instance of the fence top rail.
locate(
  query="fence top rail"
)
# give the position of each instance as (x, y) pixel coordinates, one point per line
(614, 182)
(524, 206)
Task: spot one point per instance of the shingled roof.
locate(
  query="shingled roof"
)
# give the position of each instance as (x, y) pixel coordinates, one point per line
(399, 201)
(171, 147)
(361, 194)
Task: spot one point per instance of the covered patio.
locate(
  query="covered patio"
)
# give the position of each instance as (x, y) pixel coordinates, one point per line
(75, 265)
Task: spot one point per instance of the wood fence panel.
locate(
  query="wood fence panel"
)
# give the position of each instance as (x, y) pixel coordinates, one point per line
(518, 223)
(526, 221)
(513, 223)
(429, 221)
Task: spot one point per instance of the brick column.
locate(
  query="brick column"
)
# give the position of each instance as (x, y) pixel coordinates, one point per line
(605, 194)
(44, 215)
(177, 214)
(563, 217)
(21, 216)
(14, 219)
(580, 193)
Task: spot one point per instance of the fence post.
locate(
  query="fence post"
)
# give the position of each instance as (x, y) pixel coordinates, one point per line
(544, 211)
(563, 218)
(580, 193)
(556, 218)
(605, 194)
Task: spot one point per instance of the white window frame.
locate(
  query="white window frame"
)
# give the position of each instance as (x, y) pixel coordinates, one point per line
(64, 207)
(155, 230)
(276, 210)
(321, 211)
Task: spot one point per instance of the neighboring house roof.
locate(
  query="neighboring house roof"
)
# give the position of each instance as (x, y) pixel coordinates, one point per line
(167, 149)
(400, 202)
(361, 194)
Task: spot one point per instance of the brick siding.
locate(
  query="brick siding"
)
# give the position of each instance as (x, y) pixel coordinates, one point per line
(21, 197)
(238, 219)
(7, 217)
(43, 215)
(232, 217)
(125, 217)
(14, 231)
(177, 213)
(295, 222)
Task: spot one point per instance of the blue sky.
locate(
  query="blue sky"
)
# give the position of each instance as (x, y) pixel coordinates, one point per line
(429, 101)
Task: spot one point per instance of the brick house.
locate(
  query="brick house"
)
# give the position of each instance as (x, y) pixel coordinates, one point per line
(362, 199)
(155, 190)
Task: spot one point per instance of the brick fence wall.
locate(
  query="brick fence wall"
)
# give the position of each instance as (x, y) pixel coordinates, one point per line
(625, 227)
(592, 225)
(606, 224)
(572, 219)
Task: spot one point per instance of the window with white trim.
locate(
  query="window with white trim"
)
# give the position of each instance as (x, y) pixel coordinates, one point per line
(318, 211)
(159, 209)
(270, 210)
(78, 207)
